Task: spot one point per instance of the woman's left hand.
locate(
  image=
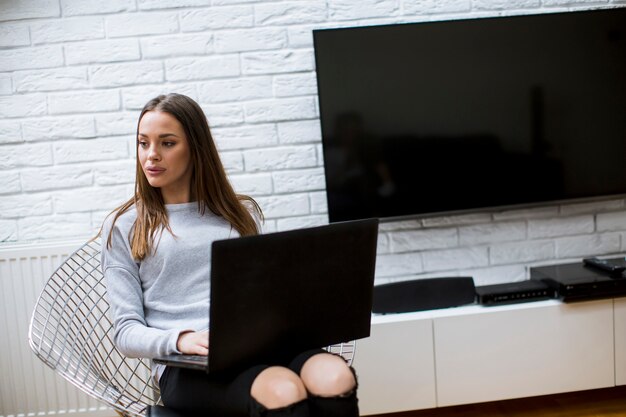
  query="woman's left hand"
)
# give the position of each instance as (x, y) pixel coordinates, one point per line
(194, 343)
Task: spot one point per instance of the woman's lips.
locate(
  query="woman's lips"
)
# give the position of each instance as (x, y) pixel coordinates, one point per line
(155, 170)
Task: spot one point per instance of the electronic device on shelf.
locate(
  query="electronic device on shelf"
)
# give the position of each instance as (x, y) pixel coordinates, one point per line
(423, 294)
(614, 266)
(576, 281)
(514, 292)
(439, 117)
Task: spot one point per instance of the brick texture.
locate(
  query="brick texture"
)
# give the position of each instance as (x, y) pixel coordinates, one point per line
(75, 73)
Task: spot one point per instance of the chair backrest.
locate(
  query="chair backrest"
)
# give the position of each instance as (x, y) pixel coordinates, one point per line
(70, 331)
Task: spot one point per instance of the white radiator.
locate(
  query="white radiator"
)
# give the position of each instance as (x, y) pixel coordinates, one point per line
(27, 386)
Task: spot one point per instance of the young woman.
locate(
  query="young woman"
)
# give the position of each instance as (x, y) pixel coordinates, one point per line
(156, 257)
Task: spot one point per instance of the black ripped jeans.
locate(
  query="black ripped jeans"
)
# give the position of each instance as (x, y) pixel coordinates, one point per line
(191, 391)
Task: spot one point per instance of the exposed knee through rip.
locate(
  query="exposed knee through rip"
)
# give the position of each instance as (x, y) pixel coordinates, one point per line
(278, 387)
(327, 375)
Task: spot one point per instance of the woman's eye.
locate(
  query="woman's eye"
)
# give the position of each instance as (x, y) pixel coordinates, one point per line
(143, 144)
(169, 144)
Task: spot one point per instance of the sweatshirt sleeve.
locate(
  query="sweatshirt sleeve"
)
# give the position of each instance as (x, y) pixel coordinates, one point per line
(132, 336)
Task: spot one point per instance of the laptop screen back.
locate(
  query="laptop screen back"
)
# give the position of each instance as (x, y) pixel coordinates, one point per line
(276, 295)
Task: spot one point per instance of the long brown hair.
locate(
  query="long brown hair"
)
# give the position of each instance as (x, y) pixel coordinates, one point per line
(209, 183)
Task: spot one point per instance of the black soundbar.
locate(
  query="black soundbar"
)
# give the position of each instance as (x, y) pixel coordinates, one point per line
(423, 294)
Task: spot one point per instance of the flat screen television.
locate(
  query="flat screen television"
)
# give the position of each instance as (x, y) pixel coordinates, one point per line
(443, 117)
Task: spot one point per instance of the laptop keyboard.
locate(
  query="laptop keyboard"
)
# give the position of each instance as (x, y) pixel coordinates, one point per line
(194, 358)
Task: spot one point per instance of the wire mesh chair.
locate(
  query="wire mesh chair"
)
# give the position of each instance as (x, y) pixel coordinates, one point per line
(71, 332)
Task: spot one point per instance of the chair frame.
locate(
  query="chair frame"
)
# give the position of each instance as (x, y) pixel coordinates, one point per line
(71, 332)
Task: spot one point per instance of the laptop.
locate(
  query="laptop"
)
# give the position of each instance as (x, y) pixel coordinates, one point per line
(276, 295)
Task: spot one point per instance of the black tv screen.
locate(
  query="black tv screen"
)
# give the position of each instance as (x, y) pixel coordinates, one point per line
(438, 117)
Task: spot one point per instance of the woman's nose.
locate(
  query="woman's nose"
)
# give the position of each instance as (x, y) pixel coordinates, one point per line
(153, 153)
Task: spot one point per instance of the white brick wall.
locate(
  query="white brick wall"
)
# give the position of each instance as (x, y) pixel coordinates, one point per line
(74, 74)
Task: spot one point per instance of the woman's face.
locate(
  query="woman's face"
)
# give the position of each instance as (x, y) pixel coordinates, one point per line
(164, 155)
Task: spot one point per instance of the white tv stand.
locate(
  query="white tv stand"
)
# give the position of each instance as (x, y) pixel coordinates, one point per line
(475, 354)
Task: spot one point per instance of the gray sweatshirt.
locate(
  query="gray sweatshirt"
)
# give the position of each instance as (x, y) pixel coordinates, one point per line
(154, 300)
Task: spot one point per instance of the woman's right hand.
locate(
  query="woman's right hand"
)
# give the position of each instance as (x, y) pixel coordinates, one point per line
(194, 343)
